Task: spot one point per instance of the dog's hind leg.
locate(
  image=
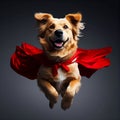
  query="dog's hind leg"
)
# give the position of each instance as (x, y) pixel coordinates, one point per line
(49, 91)
(71, 90)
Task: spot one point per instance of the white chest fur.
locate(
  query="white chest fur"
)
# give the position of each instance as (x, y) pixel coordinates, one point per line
(61, 76)
(74, 72)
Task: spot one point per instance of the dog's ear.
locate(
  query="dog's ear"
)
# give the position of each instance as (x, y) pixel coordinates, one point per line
(75, 20)
(42, 17)
(42, 21)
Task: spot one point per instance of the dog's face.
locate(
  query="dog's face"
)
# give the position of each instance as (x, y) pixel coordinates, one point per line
(58, 33)
(59, 36)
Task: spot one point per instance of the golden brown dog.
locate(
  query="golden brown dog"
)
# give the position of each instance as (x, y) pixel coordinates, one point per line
(59, 39)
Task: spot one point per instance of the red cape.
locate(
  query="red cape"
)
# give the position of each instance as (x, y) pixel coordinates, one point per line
(27, 59)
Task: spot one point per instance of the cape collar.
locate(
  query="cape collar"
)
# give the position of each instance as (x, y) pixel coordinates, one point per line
(63, 64)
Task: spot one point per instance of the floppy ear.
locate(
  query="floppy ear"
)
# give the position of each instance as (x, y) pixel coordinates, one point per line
(42, 21)
(75, 21)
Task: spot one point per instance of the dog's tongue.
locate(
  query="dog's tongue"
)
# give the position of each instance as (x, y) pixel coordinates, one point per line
(58, 44)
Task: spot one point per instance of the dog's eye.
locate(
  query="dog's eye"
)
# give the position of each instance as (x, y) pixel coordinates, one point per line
(65, 26)
(52, 26)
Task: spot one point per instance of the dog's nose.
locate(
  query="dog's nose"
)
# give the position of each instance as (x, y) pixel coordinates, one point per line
(59, 33)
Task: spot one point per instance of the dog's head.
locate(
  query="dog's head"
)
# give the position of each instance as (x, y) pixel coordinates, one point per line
(59, 36)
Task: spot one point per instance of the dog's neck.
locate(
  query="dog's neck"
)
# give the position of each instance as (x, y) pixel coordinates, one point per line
(57, 58)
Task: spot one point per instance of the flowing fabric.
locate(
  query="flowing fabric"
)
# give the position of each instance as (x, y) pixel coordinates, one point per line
(27, 59)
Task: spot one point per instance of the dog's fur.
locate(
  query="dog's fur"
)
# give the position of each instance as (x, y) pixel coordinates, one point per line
(59, 38)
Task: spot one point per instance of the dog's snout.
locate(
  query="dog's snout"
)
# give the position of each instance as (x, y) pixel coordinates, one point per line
(59, 33)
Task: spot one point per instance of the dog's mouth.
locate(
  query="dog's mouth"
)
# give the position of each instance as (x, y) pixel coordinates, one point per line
(58, 44)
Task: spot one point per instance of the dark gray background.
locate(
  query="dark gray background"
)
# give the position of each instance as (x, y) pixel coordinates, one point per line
(99, 97)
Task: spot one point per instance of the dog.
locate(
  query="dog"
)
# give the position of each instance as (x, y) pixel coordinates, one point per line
(58, 67)
(59, 40)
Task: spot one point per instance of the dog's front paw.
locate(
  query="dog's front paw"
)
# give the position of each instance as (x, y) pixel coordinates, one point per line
(66, 101)
(51, 104)
(52, 99)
